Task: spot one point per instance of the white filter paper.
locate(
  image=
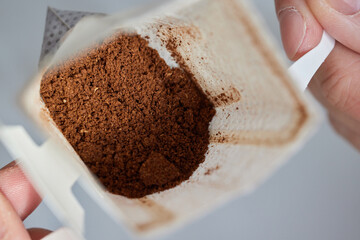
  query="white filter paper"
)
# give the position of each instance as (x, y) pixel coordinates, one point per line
(261, 117)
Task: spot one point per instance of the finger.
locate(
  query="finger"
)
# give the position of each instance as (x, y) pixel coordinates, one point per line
(340, 18)
(38, 233)
(300, 31)
(62, 233)
(18, 190)
(11, 226)
(345, 131)
(348, 121)
(337, 83)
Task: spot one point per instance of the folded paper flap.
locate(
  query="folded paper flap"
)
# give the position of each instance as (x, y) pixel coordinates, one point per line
(259, 111)
(305, 68)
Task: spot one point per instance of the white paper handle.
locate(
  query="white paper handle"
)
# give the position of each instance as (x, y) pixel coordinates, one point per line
(304, 69)
(47, 167)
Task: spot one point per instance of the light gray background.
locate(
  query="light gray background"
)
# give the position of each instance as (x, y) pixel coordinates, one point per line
(316, 195)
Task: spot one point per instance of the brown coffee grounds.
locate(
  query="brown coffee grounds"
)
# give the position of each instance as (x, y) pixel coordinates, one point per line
(157, 165)
(139, 125)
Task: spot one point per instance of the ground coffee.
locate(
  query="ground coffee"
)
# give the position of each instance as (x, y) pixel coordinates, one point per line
(139, 125)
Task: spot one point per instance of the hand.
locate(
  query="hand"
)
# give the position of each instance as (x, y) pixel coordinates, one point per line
(337, 83)
(17, 200)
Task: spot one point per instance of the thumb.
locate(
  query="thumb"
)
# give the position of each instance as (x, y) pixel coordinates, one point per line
(340, 18)
(300, 31)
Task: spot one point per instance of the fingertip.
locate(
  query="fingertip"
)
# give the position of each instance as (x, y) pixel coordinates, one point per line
(293, 29)
(300, 31)
(38, 233)
(18, 190)
(11, 226)
(312, 38)
(340, 20)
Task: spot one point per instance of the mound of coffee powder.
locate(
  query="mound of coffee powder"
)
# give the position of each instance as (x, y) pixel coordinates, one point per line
(139, 125)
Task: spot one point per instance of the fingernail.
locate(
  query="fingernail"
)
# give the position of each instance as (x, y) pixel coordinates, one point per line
(293, 28)
(347, 7)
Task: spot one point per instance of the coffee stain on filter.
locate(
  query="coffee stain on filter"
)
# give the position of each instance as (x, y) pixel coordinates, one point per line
(181, 35)
(229, 96)
(159, 214)
(184, 38)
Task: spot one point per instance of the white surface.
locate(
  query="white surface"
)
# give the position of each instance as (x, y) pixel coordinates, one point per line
(314, 196)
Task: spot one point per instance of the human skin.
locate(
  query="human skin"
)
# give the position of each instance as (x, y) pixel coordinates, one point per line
(337, 83)
(17, 200)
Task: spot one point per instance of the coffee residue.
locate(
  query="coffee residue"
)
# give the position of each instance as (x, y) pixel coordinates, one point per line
(139, 125)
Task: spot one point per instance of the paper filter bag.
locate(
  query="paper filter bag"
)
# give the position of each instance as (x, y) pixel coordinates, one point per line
(261, 118)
